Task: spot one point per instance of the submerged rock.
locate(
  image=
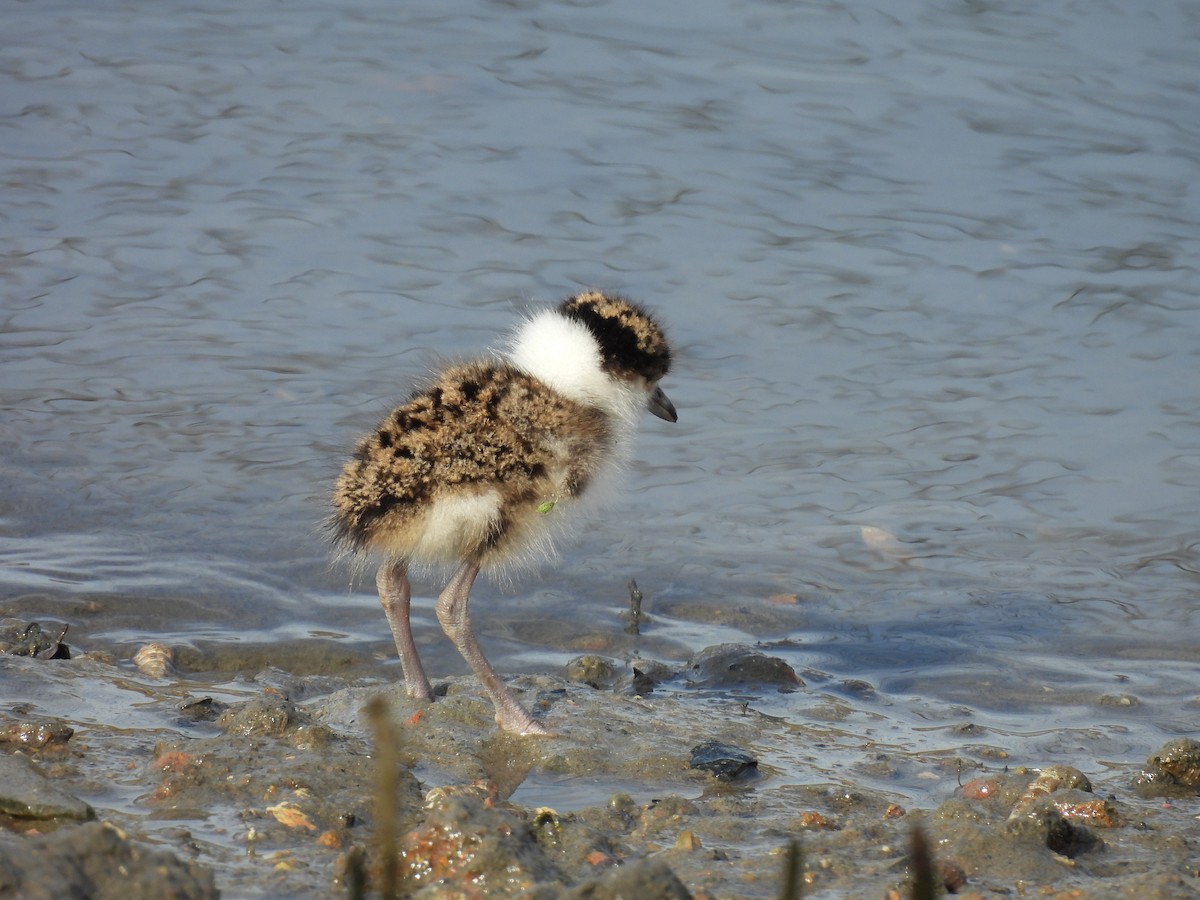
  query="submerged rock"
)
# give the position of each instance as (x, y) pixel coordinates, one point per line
(200, 709)
(270, 715)
(1037, 814)
(646, 879)
(592, 670)
(274, 715)
(647, 674)
(19, 639)
(1044, 822)
(1049, 780)
(25, 793)
(1173, 769)
(468, 846)
(722, 760)
(97, 861)
(740, 665)
(463, 843)
(32, 735)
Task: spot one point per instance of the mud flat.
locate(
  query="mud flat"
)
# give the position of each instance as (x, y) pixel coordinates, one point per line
(661, 780)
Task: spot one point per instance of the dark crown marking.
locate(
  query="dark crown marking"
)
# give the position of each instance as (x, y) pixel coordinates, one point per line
(631, 341)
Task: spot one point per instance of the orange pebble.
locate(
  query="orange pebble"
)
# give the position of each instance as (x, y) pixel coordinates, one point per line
(980, 789)
(173, 761)
(291, 815)
(783, 599)
(816, 820)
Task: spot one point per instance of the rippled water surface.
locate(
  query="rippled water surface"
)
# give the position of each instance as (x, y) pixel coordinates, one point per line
(929, 268)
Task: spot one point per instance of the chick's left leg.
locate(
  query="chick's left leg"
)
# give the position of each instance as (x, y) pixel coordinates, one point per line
(452, 613)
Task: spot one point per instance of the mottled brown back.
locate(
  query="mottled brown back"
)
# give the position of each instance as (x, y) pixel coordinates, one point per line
(478, 426)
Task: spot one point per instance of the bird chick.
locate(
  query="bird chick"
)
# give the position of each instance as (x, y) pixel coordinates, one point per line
(483, 465)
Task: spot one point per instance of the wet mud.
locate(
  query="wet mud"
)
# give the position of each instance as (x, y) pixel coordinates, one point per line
(661, 779)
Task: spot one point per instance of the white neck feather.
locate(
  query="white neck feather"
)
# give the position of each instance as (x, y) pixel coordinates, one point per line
(563, 354)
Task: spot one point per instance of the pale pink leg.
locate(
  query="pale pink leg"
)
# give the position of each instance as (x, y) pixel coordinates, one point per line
(396, 595)
(452, 613)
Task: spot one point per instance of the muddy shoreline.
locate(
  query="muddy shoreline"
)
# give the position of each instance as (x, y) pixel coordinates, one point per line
(268, 785)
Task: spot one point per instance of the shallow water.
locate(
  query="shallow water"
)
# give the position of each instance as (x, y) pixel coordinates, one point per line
(929, 272)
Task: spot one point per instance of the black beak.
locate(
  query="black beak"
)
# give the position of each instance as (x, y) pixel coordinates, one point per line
(661, 406)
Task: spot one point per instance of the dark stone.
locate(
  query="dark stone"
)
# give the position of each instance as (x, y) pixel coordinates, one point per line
(648, 674)
(740, 665)
(201, 709)
(722, 760)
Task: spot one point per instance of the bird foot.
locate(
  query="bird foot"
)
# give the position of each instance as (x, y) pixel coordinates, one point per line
(523, 724)
(420, 692)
